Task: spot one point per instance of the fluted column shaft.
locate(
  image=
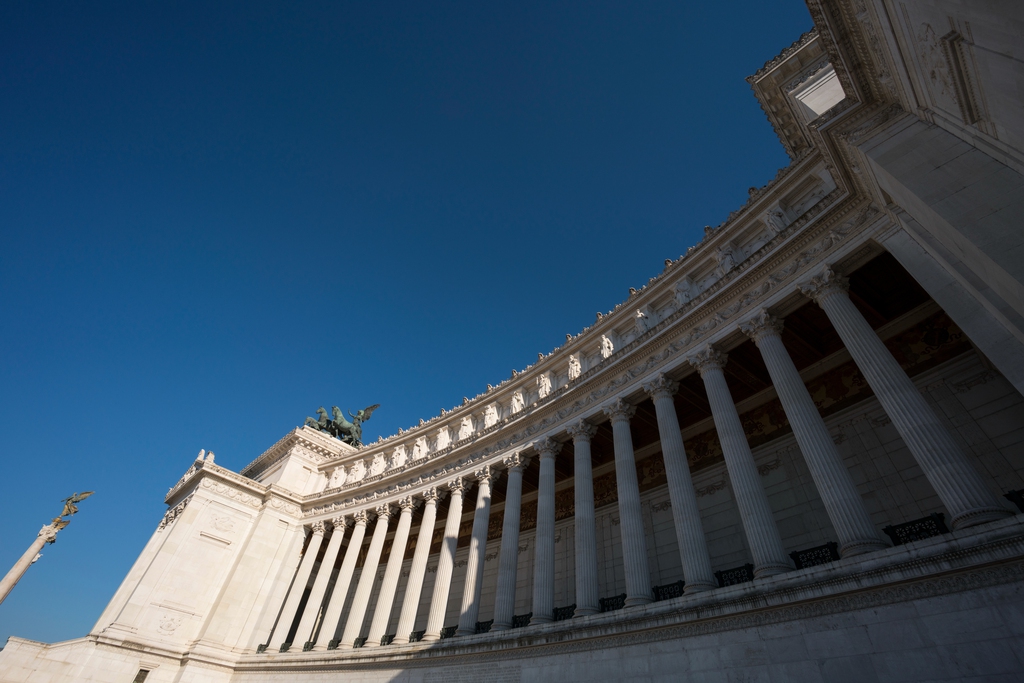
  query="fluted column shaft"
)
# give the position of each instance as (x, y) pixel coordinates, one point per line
(361, 598)
(755, 512)
(544, 552)
(839, 494)
(336, 603)
(386, 597)
(587, 598)
(959, 486)
(304, 633)
(634, 544)
(693, 548)
(413, 589)
(508, 558)
(291, 603)
(475, 560)
(445, 563)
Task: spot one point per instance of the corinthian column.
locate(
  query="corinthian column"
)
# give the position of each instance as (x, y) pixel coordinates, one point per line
(361, 598)
(475, 560)
(445, 563)
(291, 603)
(838, 492)
(304, 633)
(508, 559)
(587, 600)
(693, 548)
(634, 545)
(544, 554)
(958, 484)
(386, 597)
(755, 513)
(336, 603)
(413, 589)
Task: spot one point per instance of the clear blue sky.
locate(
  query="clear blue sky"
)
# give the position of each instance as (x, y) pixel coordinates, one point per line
(216, 217)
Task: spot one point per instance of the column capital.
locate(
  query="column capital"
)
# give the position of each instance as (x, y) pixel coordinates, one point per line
(360, 518)
(547, 448)
(407, 504)
(384, 511)
(707, 358)
(661, 386)
(457, 486)
(824, 284)
(340, 522)
(430, 495)
(619, 410)
(485, 473)
(516, 461)
(319, 528)
(582, 431)
(761, 325)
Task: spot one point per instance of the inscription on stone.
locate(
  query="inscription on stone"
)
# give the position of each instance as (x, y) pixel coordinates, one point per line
(473, 674)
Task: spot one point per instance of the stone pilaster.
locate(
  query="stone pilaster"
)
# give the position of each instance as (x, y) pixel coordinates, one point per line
(587, 597)
(475, 560)
(508, 559)
(634, 545)
(755, 512)
(386, 597)
(361, 598)
(291, 603)
(544, 554)
(413, 589)
(839, 494)
(693, 547)
(965, 495)
(304, 633)
(445, 563)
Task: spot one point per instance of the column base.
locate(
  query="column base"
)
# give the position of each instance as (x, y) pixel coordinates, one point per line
(430, 637)
(465, 632)
(504, 626)
(585, 611)
(534, 620)
(698, 587)
(862, 546)
(399, 641)
(764, 570)
(639, 600)
(979, 516)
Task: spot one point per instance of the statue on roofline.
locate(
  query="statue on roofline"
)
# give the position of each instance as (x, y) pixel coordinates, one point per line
(350, 432)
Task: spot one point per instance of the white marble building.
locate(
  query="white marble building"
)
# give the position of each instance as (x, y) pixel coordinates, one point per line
(797, 453)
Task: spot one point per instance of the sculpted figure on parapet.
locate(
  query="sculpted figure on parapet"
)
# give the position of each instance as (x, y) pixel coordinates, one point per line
(339, 427)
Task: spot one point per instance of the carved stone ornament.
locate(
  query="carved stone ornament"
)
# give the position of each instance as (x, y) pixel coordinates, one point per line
(485, 475)
(319, 528)
(547, 448)
(383, 512)
(490, 416)
(607, 348)
(430, 494)
(360, 517)
(761, 325)
(406, 504)
(457, 486)
(686, 290)
(341, 522)
(173, 513)
(518, 404)
(706, 359)
(619, 410)
(444, 438)
(661, 386)
(543, 385)
(516, 461)
(168, 624)
(465, 428)
(582, 431)
(825, 284)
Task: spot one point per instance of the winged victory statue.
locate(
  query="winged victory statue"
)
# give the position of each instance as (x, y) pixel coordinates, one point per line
(338, 426)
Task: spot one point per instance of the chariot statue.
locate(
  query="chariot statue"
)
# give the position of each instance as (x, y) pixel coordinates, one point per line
(346, 431)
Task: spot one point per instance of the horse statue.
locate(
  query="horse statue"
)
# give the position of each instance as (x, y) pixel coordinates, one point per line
(350, 432)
